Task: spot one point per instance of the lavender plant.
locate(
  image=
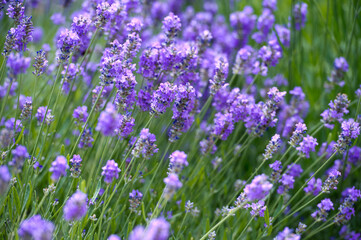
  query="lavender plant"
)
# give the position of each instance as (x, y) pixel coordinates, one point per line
(156, 120)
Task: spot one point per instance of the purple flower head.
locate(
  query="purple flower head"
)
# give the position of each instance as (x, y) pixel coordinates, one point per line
(86, 139)
(57, 19)
(76, 207)
(287, 182)
(297, 135)
(178, 160)
(307, 145)
(350, 130)
(314, 186)
(294, 170)
(162, 98)
(114, 237)
(341, 64)
(75, 164)
(40, 114)
(41, 63)
(258, 188)
(16, 11)
(331, 181)
(67, 42)
(271, 53)
(110, 171)
(243, 23)
(36, 228)
(58, 167)
(221, 73)
(354, 155)
(12, 126)
(125, 85)
(80, 114)
(275, 95)
(145, 145)
(337, 109)
(105, 12)
(125, 126)
(223, 125)
(264, 25)
(81, 25)
(5, 178)
(245, 61)
(299, 14)
(326, 205)
(276, 166)
(135, 25)
(171, 26)
(270, 4)
(358, 92)
(158, 229)
(287, 234)
(338, 73)
(284, 35)
(108, 120)
(352, 194)
(17, 64)
(20, 154)
(172, 185)
(258, 208)
(272, 146)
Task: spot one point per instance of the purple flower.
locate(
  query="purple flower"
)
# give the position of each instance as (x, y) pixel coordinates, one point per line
(221, 73)
(86, 139)
(299, 14)
(68, 75)
(352, 194)
(110, 171)
(339, 71)
(80, 114)
(171, 26)
(57, 19)
(272, 146)
(58, 167)
(104, 13)
(284, 35)
(20, 154)
(270, 4)
(354, 155)
(172, 185)
(114, 237)
(337, 109)
(125, 126)
(108, 121)
(162, 98)
(314, 186)
(17, 64)
(243, 23)
(76, 206)
(258, 188)
(287, 182)
(178, 160)
(135, 198)
(41, 63)
(223, 125)
(16, 11)
(324, 207)
(12, 126)
(276, 166)
(258, 208)
(125, 96)
(38, 34)
(331, 181)
(264, 25)
(294, 170)
(307, 145)
(40, 114)
(271, 53)
(350, 130)
(67, 42)
(287, 234)
(75, 164)
(36, 228)
(145, 145)
(297, 134)
(5, 178)
(158, 229)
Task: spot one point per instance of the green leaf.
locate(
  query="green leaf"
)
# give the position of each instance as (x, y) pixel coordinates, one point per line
(83, 186)
(20, 136)
(96, 191)
(62, 150)
(17, 200)
(143, 212)
(266, 216)
(27, 197)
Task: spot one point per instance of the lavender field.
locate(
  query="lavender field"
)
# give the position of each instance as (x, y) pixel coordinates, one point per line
(179, 119)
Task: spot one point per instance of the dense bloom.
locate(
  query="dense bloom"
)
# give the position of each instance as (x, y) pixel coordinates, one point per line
(36, 228)
(58, 167)
(41, 63)
(307, 145)
(44, 112)
(314, 186)
(110, 171)
(178, 160)
(223, 125)
(67, 42)
(323, 208)
(125, 125)
(162, 98)
(80, 114)
(258, 188)
(337, 109)
(76, 206)
(108, 121)
(297, 135)
(272, 146)
(331, 181)
(350, 130)
(287, 234)
(145, 145)
(75, 164)
(158, 229)
(171, 26)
